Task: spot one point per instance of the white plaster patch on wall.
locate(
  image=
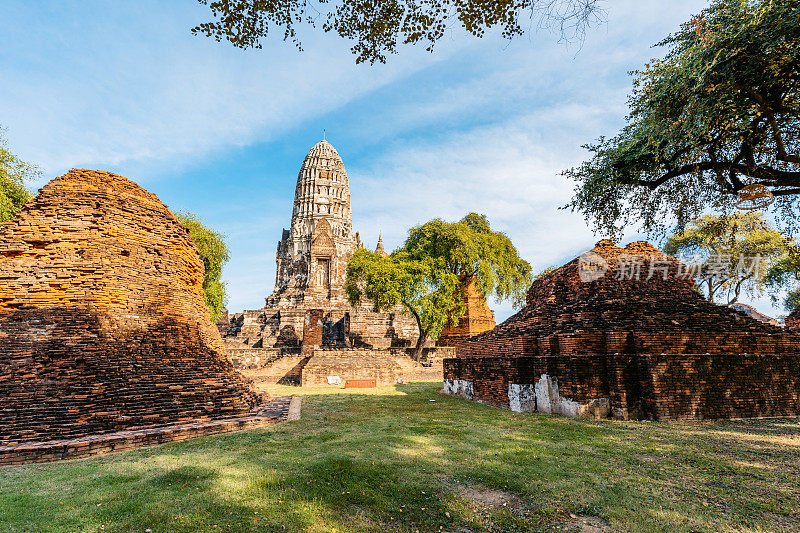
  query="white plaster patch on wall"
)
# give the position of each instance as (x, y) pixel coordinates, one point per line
(459, 387)
(521, 397)
(550, 402)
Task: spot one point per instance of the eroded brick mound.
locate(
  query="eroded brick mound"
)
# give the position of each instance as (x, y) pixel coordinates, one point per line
(661, 300)
(792, 321)
(102, 320)
(610, 343)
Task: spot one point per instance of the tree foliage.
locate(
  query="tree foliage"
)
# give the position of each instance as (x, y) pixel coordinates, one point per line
(429, 272)
(732, 253)
(470, 249)
(214, 253)
(425, 287)
(13, 174)
(546, 271)
(376, 28)
(719, 112)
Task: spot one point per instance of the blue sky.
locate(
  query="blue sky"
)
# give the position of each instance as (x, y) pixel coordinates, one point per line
(479, 125)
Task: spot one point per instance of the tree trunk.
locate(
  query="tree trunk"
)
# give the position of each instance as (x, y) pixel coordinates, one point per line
(423, 334)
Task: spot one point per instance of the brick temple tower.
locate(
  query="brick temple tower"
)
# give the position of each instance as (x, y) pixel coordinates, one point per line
(312, 256)
(308, 306)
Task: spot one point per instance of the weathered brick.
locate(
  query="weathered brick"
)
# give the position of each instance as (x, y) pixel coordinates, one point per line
(102, 320)
(653, 346)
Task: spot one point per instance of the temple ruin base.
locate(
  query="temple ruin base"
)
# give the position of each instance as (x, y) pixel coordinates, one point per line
(332, 367)
(653, 386)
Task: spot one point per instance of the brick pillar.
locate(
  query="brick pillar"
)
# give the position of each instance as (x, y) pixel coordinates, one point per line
(312, 331)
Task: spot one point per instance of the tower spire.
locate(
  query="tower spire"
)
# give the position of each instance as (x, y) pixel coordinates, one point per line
(379, 249)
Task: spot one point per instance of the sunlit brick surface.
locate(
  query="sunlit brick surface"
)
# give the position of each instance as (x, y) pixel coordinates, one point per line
(102, 321)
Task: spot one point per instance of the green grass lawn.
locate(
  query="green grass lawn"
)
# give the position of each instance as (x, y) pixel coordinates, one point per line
(392, 459)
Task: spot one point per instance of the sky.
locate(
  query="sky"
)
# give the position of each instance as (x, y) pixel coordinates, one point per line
(483, 125)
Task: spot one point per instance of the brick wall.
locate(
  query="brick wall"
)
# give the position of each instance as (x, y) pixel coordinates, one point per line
(692, 386)
(385, 366)
(312, 331)
(660, 386)
(477, 318)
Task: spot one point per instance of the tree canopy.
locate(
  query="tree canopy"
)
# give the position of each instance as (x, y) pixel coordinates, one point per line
(425, 287)
(13, 174)
(376, 28)
(214, 253)
(428, 273)
(470, 249)
(730, 254)
(720, 112)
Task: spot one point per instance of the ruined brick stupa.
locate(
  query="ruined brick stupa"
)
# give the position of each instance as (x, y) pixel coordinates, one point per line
(311, 274)
(102, 321)
(622, 331)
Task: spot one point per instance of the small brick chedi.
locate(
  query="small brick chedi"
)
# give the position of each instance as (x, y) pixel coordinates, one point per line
(102, 321)
(476, 319)
(308, 311)
(621, 332)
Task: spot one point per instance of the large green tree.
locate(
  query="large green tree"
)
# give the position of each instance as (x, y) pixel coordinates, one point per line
(430, 292)
(731, 254)
(719, 112)
(214, 253)
(13, 174)
(377, 27)
(429, 272)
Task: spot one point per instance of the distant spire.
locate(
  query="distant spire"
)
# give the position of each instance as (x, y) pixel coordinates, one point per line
(323, 134)
(379, 249)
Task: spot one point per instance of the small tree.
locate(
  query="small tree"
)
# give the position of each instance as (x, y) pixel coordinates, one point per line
(720, 112)
(214, 253)
(426, 288)
(785, 273)
(378, 27)
(13, 174)
(732, 253)
(428, 273)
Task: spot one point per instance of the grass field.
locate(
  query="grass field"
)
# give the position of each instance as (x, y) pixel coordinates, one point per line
(408, 458)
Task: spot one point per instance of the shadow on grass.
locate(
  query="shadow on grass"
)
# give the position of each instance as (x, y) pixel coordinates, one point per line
(392, 459)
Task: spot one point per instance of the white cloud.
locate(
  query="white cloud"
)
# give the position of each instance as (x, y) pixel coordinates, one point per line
(134, 89)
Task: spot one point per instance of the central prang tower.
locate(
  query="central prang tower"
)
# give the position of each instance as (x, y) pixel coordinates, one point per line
(309, 308)
(312, 256)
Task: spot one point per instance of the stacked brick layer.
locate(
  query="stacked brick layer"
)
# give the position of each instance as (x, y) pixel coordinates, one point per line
(661, 386)
(386, 367)
(274, 411)
(102, 318)
(652, 345)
